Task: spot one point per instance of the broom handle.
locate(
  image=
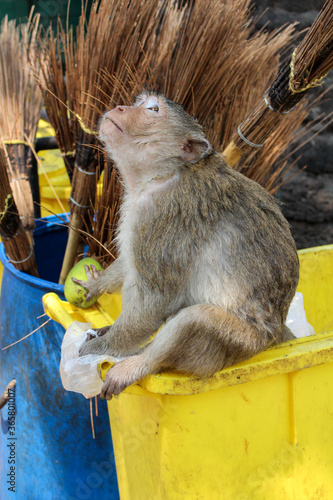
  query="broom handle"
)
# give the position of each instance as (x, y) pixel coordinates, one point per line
(72, 246)
(232, 154)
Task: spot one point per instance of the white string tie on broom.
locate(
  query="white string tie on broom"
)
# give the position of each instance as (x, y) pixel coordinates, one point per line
(70, 198)
(21, 261)
(23, 177)
(275, 110)
(84, 171)
(69, 153)
(247, 141)
(78, 204)
(11, 237)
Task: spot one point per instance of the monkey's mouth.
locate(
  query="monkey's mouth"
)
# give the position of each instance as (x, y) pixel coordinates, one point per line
(114, 123)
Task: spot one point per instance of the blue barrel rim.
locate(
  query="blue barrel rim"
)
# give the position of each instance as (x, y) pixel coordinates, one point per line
(51, 223)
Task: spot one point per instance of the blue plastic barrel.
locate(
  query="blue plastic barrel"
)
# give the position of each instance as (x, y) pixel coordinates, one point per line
(48, 453)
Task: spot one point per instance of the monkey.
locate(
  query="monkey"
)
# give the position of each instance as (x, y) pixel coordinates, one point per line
(206, 258)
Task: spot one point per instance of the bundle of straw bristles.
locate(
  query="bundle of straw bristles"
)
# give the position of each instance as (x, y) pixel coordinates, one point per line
(204, 54)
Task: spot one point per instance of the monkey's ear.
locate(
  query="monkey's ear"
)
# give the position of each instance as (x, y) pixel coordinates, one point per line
(194, 149)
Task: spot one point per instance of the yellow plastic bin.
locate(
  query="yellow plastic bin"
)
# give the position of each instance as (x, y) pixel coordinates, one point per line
(48, 202)
(262, 429)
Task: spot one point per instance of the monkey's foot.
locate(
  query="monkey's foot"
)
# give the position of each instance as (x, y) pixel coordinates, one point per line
(123, 374)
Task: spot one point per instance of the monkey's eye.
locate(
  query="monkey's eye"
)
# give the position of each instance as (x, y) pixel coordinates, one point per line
(154, 108)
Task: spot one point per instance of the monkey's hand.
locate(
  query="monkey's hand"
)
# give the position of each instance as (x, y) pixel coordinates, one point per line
(97, 345)
(91, 285)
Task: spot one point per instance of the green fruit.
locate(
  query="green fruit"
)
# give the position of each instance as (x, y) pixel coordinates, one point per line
(74, 293)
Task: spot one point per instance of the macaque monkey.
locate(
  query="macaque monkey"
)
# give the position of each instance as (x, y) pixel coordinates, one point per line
(204, 252)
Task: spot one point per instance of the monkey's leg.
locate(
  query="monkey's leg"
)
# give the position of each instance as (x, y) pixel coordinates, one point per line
(200, 339)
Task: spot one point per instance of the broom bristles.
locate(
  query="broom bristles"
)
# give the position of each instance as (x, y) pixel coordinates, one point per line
(210, 67)
(313, 58)
(16, 243)
(130, 30)
(57, 97)
(102, 247)
(20, 107)
(212, 70)
(219, 94)
(305, 70)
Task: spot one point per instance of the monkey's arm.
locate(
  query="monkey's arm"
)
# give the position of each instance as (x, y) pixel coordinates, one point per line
(125, 337)
(141, 317)
(108, 281)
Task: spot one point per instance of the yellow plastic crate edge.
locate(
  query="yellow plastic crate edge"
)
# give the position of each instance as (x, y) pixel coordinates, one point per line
(65, 313)
(296, 355)
(285, 358)
(323, 248)
(54, 308)
(289, 357)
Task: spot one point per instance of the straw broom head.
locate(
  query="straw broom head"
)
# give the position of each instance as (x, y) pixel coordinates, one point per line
(129, 32)
(211, 68)
(20, 107)
(309, 64)
(157, 34)
(15, 241)
(50, 75)
(102, 246)
(215, 63)
(218, 71)
(305, 69)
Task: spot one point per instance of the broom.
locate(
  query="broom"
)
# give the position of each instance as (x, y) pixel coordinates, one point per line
(213, 73)
(306, 68)
(129, 30)
(214, 67)
(102, 246)
(20, 108)
(190, 69)
(16, 243)
(268, 165)
(106, 211)
(50, 75)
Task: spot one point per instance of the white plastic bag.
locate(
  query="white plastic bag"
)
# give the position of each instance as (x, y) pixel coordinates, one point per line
(296, 318)
(80, 374)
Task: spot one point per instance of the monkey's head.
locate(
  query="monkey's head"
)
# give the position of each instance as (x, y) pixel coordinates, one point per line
(152, 138)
